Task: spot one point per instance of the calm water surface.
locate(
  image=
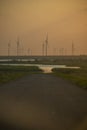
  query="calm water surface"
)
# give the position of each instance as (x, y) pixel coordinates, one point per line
(45, 68)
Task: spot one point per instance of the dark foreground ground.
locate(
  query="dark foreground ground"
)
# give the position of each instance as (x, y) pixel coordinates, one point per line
(42, 102)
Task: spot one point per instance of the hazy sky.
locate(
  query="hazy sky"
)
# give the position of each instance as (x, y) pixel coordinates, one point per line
(31, 20)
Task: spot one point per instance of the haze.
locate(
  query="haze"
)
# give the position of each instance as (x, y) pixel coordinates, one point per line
(30, 21)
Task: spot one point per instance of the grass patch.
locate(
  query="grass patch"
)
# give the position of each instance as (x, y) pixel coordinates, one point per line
(8, 73)
(19, 68)
(76, 76)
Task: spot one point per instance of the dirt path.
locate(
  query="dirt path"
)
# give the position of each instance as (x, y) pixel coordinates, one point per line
(42, 102)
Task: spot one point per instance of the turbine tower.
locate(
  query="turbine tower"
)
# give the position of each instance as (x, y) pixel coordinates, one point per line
(43, 49)
(18, 46)
(72, 48)
(9, 47)
(46, 41)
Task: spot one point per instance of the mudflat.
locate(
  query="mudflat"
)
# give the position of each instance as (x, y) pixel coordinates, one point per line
(42, 102)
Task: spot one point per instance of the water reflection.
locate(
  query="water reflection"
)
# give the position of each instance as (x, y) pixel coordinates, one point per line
(46, 68)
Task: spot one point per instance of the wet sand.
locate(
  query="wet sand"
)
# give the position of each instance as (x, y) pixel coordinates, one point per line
(42, 102)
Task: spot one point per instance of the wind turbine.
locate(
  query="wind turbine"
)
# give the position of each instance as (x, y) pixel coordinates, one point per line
(46, 41)
(73, 49)
(18, 43)
(9, 47)
(43, 49)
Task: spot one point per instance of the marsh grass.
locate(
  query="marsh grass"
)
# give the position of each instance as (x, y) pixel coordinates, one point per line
(8, 73)
(76, 76)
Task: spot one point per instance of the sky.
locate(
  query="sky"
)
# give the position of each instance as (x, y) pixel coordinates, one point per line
(65, 21)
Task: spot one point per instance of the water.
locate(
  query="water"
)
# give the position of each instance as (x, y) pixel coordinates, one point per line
(45, 68)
